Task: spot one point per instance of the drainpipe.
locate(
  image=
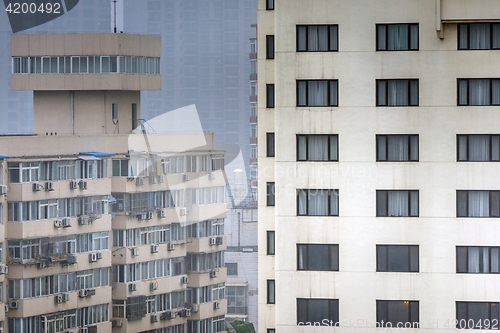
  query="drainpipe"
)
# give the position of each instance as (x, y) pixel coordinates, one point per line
(72, 94)
(439, 23)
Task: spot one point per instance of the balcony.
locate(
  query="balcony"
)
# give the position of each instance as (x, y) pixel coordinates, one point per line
(130, 220)
(199, 279)
(208, 310)
(140, 253)
(206, 244)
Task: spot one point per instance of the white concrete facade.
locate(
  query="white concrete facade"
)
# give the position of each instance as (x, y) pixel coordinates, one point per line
(437, 64)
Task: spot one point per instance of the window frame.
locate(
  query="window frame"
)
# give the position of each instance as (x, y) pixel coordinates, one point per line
(271, 292)
(307, 26)
(270, 193)
(467, 204)
(331, 249)
(467, 136)
(377, 136)
(270, 46)
(269, 4)
(377, 99)
(468, 91)
(270, 242)
(468, 36)
(467, 319)
(466, 261)
(394, 323)
(332, 193)
(333, 304)
(377, 25)
(409, 263)
(329, 136)
(387, 201)
(270, 96)
(270, 144)
(330, 102)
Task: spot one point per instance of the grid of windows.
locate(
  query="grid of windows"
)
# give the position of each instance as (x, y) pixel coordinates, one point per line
(397, 37)
(317, 38)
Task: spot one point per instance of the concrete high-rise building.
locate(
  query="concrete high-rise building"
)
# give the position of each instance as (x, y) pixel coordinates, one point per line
(380, 196)
(109, 228)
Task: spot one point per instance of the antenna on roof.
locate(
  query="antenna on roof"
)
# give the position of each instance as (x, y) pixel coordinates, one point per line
(114, 15)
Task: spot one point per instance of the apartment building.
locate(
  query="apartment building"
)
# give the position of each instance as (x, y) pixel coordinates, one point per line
(378, 202)
(111, 227)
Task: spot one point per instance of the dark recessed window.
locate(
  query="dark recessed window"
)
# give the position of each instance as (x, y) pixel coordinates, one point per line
(318, 202)
(313, 312)
(397, 148)
(397, 203)
(392, 314)
(270, 47)
(397, 92)
(232, 268)
(271, 330)
(270, 144)
(270, 242)
(270, 4)
(317, 38)
(397, 258)
(478, 203)
(478, 259)
(317, 93)
(271, 292)
(317, 257)
(478, 36)
(478, 92)
(317, 147)
(269, 95)
(478, 315)
(271, 191)
(478, 148)
(397, 37)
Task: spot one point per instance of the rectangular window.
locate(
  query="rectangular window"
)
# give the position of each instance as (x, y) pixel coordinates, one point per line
(236, 300)
(398, 314)
(317, 257)
(269, 95)
(270, 47)
(232, 268)
(478, 92)
(478, 148)
(478, 203)
(397, 203)
(313, 312)
(478, 315)
(270, 4)
(270, 243)
(397, 37)
(317, 38)
(397, 148)
(270, 144)
(271, 292)
(318, 202)
(271, 189)
(317, 147)
(317, 93)
(478, 259)
(397, 92)
(271, 330)
(397, 258)
(479, 36)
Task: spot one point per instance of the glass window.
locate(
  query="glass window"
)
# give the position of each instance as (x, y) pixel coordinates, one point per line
(397, 37)
(270, 144)
(478, 92)
(318, 202)
(478, 315)
(271, 192)
(270, 243)
(399, 92)
(317, 147)
(478, 36)
(478, 203)
(314, 311)
(397, 258)
(317, 257)
(478, 259)
(271, 292)
(317, 93)
(317, 38)
(397, 203)
(398, 314)
(478, 148)
(269, 95)
(270, 47)
(232, 268)
(397, 148)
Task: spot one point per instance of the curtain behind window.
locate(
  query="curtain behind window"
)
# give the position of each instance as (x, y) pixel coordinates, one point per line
(318, 148)
(397, 37)
(479, 92)
(479, 204)
(479, 148)
(397, 92)
(397, 148)
(318, 93)
(398, 203)
(479, 35)
(318, 202)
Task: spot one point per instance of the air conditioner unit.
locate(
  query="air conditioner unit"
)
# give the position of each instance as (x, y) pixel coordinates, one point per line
(6, 308)
(83, 219)
(4, 269)
(3, 189)
(212, 241)
(135, 252)
(139, 181)
(149, 215)
(65, 297)
(73, 185)
(170, 247)
(216, 305)
(193, 307)
(13, 303)
(57, 223)
(211, 176)
(182, 211)
(41, 265)
(161, 179)
(154, 248)
(161, 213)
(92, 257)
(49, 186)
(219, 240)
(132, 287)
(152, 179)
(116, 323)
(154, 318)
(183, 279)
(37, 187)
(153, 285)
(184, 313)
(99, 255)
(185, 177)
(90, 292)
(213, 273)
(168, 315)
(142, 216)
(66, 222)
(83, 185)
(71, 259)
(58, 299)
(84, 330)
(82, 293)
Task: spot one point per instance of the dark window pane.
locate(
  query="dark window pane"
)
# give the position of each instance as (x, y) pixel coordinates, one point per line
(381, 203)
(270, 194)
(398, 258)
(461, 203)
(270, 144)
(381, 258)
(270, 242)
(270, 95)
(270, 47)
(461, 259)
